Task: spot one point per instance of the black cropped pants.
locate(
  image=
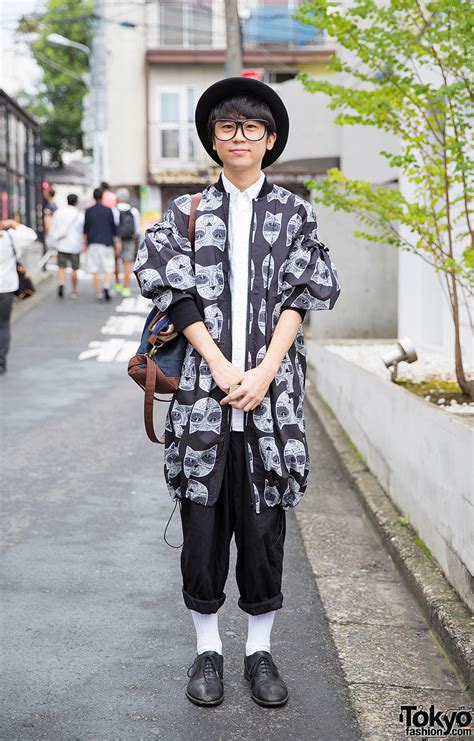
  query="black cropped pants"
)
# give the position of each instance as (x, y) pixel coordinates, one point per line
(207, 532)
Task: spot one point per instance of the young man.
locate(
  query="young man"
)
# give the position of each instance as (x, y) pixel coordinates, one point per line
(236, 455)
(66, 236)
(127, 221)
(101, 244)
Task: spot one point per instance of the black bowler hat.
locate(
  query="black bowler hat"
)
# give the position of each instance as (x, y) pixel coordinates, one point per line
(231, 87)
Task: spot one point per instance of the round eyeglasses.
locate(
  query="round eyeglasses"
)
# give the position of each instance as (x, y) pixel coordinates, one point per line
(253, 129)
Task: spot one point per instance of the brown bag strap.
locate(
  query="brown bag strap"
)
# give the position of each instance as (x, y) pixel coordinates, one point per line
(148, 402)
(195, 201)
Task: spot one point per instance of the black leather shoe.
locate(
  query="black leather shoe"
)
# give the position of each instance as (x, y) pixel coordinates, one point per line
(266, 685)
(206, 685)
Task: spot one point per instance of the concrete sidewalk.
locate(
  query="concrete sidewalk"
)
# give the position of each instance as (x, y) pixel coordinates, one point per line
(388, 653)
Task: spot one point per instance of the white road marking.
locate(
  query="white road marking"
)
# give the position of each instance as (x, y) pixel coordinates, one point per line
(127, 325)
(134, 305)
(114, 350)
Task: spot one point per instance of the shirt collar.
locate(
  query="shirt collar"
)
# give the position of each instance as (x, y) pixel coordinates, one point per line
(252, 191)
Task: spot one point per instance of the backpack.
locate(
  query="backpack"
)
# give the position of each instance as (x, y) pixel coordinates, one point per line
(156, 367)
(126, 224)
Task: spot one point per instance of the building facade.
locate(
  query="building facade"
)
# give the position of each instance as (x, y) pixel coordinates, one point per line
(157, 66)
(20, 165)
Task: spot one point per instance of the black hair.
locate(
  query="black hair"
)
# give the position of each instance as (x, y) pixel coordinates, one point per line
(241, 106)
(72, 199)
(98, 193)
(104, 185)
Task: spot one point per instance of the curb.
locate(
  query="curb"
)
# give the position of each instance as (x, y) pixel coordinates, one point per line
(440, 604)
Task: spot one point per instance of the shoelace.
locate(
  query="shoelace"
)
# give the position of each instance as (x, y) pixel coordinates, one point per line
(210, 669)
(265, 666)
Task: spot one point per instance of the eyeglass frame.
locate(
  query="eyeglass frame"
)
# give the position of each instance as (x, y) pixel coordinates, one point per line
(241, 124)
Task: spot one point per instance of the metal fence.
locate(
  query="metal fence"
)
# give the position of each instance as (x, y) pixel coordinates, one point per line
(20, 166)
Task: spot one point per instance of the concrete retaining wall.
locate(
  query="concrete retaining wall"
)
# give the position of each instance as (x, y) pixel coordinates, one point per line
(421, 456)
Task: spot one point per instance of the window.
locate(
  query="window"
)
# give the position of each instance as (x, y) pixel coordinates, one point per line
(185, 24)
(173, 138)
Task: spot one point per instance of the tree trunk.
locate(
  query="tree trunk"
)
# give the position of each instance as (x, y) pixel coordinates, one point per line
(466, 386)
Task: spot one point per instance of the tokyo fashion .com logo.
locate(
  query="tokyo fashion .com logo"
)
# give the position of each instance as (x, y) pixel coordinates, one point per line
(429, 722)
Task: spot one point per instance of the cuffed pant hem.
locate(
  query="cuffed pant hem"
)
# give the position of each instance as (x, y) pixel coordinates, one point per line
(259, 608)
(206, 607)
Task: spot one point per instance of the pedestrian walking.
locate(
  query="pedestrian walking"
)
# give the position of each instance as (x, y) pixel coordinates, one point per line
(109, 198)
(14, 237)
(101, 244)
(127, 220)
(49, 207)
(236, 455)
(66, 232)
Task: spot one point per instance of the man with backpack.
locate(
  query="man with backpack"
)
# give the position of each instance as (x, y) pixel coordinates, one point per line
(236, 454)
(127, 220)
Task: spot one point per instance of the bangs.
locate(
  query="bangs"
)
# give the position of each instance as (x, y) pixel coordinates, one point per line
(241, 106)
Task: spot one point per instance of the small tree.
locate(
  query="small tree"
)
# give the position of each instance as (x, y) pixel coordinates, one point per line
(409, 72)
(58, 103)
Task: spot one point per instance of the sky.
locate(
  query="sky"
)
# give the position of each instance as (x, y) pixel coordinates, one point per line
(17, 68)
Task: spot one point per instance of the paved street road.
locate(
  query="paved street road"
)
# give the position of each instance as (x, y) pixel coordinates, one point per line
(96, 638)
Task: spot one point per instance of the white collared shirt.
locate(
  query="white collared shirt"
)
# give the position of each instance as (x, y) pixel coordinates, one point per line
(240, 217)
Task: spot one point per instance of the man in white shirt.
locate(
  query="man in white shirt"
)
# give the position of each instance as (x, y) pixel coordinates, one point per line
(14, 238)
(66, 237)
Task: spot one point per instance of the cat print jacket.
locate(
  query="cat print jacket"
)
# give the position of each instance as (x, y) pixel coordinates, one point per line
(289, 268)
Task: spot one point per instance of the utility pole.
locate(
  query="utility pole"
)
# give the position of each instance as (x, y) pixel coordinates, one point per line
(234, 64)
(99, 93)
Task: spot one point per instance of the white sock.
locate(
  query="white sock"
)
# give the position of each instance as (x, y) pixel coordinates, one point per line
(207, 632)
(259, 631)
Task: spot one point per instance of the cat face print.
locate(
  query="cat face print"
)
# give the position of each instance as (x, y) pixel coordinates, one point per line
(199, 463)
(149, 279)
(271, 227)
(269, 454)
(298, 261)
(268, 268)
(250, 454)
(213, 320)
(172, 460)
(206, 416)
(179, 416)
(262, 416)
(276, 314)
(184, 204)
(197, 492)
(210, 281)
(321, 273)
(210, 231)
(256, 499)
(142, 255)
(206, 381)
(295, 456)
(179, 272)
(306, 301)
(187, 382)
(262, 316)
(163, 299)
(285, 374)
(250, 317)
(211, 199)
(294, 224)
(299, 342)
(278, 194)
(252, 274)
(261, 354)
(292, 495)
(307, 207)
(285, 411)
(271, 494)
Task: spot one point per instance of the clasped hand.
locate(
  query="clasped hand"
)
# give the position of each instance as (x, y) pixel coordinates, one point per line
(253, 384)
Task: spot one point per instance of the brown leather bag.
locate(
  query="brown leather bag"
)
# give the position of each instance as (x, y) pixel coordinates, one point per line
(142, 369)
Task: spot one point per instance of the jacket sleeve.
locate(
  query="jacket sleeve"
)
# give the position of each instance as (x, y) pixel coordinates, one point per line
(310, 280)
(165, 266)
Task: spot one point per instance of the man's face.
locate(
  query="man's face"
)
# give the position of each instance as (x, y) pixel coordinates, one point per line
(240, 153)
